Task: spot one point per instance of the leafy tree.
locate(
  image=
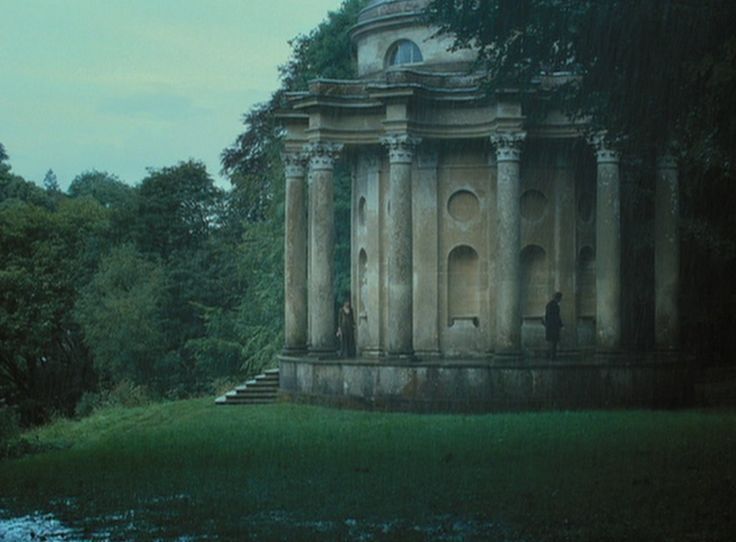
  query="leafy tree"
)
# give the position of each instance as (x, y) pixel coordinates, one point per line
(651, 72)
(44, 365)
(15, 187)
(120, 313)
(120, 199)
(254, 167)
(178, 207)
(104, 187)
(50, 182)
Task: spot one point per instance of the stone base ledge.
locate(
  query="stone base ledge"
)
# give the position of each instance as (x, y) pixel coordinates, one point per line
(477, 385)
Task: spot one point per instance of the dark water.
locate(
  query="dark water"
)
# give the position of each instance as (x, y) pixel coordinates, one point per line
(277, 525)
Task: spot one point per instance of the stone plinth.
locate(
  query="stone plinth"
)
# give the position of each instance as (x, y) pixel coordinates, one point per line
(482, 386)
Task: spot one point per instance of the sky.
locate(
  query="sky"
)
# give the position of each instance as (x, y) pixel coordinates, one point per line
(125, 85)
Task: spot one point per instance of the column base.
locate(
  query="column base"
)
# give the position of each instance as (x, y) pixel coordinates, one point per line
(294, 351)
(609, 356)
(507, 356)
(427, 354)
(319, 353)
(668, 355)
(401, 357)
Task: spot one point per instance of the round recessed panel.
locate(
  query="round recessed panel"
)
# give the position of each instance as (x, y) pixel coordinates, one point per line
(463, 206)
(533, 205)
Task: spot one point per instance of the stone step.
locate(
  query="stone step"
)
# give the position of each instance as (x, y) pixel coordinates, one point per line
(262, 389)
(247, 401)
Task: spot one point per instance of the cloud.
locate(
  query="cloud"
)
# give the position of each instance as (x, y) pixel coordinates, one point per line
(153, 105)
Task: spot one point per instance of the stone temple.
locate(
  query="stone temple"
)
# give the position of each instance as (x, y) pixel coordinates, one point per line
(466, 217)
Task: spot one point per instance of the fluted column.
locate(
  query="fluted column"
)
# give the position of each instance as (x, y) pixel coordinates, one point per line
(608, 248)
(399, 250)
(321, 295)
(508, 190)
(666, 253)
(295, 254)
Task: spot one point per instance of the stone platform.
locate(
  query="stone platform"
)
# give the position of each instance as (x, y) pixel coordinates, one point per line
(488, 385)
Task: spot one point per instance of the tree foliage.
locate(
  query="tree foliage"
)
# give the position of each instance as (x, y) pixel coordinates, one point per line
(160, 288)
(650, 72)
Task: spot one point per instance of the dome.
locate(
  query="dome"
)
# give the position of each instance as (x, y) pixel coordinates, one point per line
(393, 34)
(386, 8)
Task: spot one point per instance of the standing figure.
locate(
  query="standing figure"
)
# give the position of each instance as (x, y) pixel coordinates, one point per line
(346, 330)
(552, 324)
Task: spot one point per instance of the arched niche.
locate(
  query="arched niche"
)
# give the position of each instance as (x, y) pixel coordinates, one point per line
(463, 285)
(586, 282)
(534, 281)
(361, 211)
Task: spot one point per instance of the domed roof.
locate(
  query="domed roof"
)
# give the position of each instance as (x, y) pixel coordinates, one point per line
(385, 8)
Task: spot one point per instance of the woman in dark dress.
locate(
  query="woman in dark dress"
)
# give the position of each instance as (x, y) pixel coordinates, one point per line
(553, 324)
(346, 330)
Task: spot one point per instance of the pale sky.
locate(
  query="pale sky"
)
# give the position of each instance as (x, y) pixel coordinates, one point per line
(122, 85)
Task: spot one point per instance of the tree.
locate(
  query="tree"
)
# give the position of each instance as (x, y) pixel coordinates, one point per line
(120, 199)
(254, 166)
(44, 365)
(15, 187)
(178, 207)
(50, 182)
(650, 72)
(120, 313)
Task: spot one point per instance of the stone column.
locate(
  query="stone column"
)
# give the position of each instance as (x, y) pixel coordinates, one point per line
(295, 254)
(608, 248)
(508, 232)
(399, 251)
(426, 255)
(564, 243)
(666, 253)
(321, 295)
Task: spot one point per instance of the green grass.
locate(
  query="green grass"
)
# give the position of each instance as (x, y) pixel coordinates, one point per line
(289, 472)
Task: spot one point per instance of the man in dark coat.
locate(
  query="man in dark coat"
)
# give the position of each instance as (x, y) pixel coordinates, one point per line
(552, 324)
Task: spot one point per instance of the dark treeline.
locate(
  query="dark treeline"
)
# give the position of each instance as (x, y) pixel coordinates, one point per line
(115, 294)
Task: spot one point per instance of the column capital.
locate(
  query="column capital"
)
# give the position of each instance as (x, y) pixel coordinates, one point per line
(295, 163)
(604, 152)
(322, 155)
(666, 161)
(508, 145)
(400, 147)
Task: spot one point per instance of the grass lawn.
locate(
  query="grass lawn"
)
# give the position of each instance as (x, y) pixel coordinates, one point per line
(189, 470)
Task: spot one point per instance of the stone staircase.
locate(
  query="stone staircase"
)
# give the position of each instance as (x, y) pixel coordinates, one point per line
(260, 390)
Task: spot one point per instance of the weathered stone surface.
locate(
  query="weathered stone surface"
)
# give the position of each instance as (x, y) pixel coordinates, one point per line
(608, 248)
(472, 386)
(321, 296)
(295, 254)
(667, 253)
